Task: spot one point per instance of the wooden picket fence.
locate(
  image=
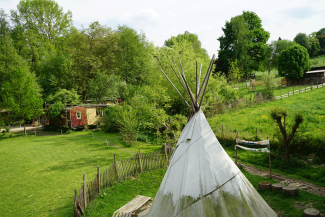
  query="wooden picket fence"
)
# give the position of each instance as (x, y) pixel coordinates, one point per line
(117, 171)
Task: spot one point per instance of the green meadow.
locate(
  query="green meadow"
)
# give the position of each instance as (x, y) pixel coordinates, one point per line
(39, 174)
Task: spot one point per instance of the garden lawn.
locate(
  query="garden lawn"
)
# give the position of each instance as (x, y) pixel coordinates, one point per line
(39, 174)
(147, 184)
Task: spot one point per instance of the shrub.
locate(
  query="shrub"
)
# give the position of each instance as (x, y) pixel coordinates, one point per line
(270, 86)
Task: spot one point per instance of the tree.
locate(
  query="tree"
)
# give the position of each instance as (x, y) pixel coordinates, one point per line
(192, 38)
(22, 94)
(235, 72)
(277, 114)
(64, 96)
(136, 56)
(9, 58)
(257, 46)
(54, 73)
(293, 62)
(270, 61)
(320, 35)
(314, 47)
(320, 32)
(105, 85)
(55, 110)
(38, 26)
(269, 86)
(242, 44)
(303, 40)
(91, 50)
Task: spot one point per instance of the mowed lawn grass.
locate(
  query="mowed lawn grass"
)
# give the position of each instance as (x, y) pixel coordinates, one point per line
(147, 184)
(246, 120)
(39, 174)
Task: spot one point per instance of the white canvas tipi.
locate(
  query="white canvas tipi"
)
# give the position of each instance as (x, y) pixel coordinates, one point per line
(201, 179)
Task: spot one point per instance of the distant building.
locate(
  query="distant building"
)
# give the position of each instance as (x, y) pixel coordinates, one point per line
(313, 77)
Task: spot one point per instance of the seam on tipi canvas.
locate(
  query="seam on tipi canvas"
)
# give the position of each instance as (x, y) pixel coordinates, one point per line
(208, 193)
(196, 116)
(192, 142)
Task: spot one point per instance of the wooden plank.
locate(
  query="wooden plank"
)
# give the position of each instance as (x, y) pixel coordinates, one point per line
(131, 206)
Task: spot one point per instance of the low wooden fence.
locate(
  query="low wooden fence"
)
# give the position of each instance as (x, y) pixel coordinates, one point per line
(117, 171)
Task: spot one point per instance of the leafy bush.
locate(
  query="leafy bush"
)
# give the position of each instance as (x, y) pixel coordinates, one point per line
(316, 160)
(55, 110)
(270, 85)
(111, 115)
(128, 124)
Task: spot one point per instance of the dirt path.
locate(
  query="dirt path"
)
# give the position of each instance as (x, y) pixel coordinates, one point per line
(302, 185)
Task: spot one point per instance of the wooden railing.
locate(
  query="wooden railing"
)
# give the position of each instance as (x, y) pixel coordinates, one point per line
(117, 171)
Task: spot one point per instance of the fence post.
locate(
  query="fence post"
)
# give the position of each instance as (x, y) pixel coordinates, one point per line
(166, 154)
(98, 180)
(115, 166)
(84, 191)
(140, 160)
(268, 145)
(236, 145)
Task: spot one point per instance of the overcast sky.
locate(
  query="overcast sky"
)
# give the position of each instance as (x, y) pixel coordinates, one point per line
(162, 19)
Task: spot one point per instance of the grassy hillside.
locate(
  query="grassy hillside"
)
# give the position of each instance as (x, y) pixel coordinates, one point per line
(39, 174)
(247, 120)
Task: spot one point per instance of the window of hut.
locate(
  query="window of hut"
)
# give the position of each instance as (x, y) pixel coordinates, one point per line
(78, 115)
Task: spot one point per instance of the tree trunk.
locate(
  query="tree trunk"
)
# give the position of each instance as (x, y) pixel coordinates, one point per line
(287, 152)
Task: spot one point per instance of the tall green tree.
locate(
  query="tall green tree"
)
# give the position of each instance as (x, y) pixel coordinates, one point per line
(38, 25)
(303, 40)
(54, 73)
(242, 44)
(64, 96)
(293, 62)
(135, 55)
(192, 38)
(257, 46)
(91, 50)
(22, 95)
(9, 58)
(106, 86)
(320, 35)
(314, 47)
(270, 61)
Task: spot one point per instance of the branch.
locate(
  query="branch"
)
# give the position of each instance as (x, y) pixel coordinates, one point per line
(294, 129)
(282, 129)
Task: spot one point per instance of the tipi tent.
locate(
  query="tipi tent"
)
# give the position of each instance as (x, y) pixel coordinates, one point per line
(202, 180)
